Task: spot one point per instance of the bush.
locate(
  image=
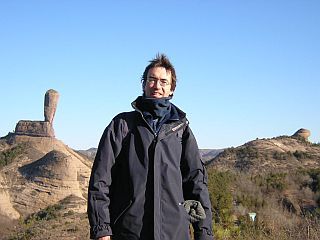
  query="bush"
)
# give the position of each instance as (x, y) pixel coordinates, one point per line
(276, 181)
(282, 155)
(271, 181)
(51, 212)
(301, 155)
(219, 186)
(9, 155)
(315, 175)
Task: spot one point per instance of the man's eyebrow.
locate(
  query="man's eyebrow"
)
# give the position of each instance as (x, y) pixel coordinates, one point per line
(163, 79)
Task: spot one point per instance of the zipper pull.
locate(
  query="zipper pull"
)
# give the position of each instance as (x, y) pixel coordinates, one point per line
(155, 138)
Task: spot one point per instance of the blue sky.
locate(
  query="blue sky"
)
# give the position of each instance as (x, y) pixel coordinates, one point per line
(246, 69)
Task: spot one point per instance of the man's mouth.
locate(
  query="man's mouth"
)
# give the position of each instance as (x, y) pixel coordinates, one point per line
(155, 93)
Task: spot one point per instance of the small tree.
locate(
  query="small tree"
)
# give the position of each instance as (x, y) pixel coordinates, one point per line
(219, 186)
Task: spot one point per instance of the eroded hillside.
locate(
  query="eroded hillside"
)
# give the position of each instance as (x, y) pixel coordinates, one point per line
(277, 154)
(37, 172)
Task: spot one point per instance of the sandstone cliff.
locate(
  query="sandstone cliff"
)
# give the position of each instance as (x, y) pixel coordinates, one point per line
(40, 171)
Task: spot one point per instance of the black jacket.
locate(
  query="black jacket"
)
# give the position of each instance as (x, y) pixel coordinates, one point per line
(140, 180)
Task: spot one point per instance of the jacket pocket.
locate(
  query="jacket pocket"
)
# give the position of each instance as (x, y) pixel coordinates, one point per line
(122, 212)
(184, 211)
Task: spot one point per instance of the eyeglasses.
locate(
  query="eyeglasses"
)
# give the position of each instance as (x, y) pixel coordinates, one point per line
(163, 82)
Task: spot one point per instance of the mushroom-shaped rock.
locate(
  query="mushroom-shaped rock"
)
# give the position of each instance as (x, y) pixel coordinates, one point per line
(302, 132)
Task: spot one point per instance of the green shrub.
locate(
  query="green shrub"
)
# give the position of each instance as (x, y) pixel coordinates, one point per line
(250, 201)
(219, 186)
(51, 212)
(9, 155)
(315, 175)
(28, 234)
(301, 155)
(247, 152)
(271, 181)
(276, 181)
(282, 155)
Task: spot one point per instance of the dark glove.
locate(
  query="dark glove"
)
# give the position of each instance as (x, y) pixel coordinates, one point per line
(195, 210)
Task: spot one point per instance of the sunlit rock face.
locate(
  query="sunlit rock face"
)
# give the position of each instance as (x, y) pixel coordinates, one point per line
(41, 128)
(302, 132)
(50, 105)
(37, 170)
(34, 128)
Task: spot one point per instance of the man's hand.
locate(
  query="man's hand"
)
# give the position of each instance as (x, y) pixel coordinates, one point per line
(105, 238)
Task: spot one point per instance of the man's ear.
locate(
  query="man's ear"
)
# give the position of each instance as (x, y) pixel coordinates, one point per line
(143, 86)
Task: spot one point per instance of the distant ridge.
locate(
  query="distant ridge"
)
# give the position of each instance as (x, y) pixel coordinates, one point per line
(283, 153)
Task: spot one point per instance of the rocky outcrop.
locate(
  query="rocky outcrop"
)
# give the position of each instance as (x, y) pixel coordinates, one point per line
(34, 128)
(303, 133)
(37, 170)
(43, 173)
(53, 178)
(41, 128)
(6, 208)
(54, 166)
(50, 105)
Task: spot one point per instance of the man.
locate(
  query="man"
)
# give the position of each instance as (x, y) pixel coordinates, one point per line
(147, 165)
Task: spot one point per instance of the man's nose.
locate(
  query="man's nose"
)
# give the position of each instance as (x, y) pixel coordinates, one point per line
(157, 84)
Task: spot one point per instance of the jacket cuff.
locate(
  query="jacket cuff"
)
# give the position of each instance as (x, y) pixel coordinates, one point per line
(100, 231)
(203, 235)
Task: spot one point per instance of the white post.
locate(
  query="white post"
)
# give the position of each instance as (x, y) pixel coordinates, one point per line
(252, 216)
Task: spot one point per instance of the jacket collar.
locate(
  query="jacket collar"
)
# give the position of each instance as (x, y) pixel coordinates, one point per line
(175, 114)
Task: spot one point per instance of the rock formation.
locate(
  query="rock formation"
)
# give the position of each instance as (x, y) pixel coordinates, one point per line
(50, 105)
(6, 207)
(34, 128)
(55, 165)
(41, 128)
(37, 171)
(304, 133)
(45, 172)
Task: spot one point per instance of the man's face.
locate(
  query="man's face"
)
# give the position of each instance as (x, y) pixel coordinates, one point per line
(158, 83)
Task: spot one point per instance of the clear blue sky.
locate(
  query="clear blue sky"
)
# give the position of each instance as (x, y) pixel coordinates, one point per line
(246, 69)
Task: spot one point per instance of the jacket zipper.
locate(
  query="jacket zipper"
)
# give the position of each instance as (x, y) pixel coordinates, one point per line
(154, 167)
(122, 212)
(155, 208)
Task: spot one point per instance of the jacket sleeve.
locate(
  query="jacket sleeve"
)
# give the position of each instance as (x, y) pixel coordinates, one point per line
(194, 177)
(100, 180)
